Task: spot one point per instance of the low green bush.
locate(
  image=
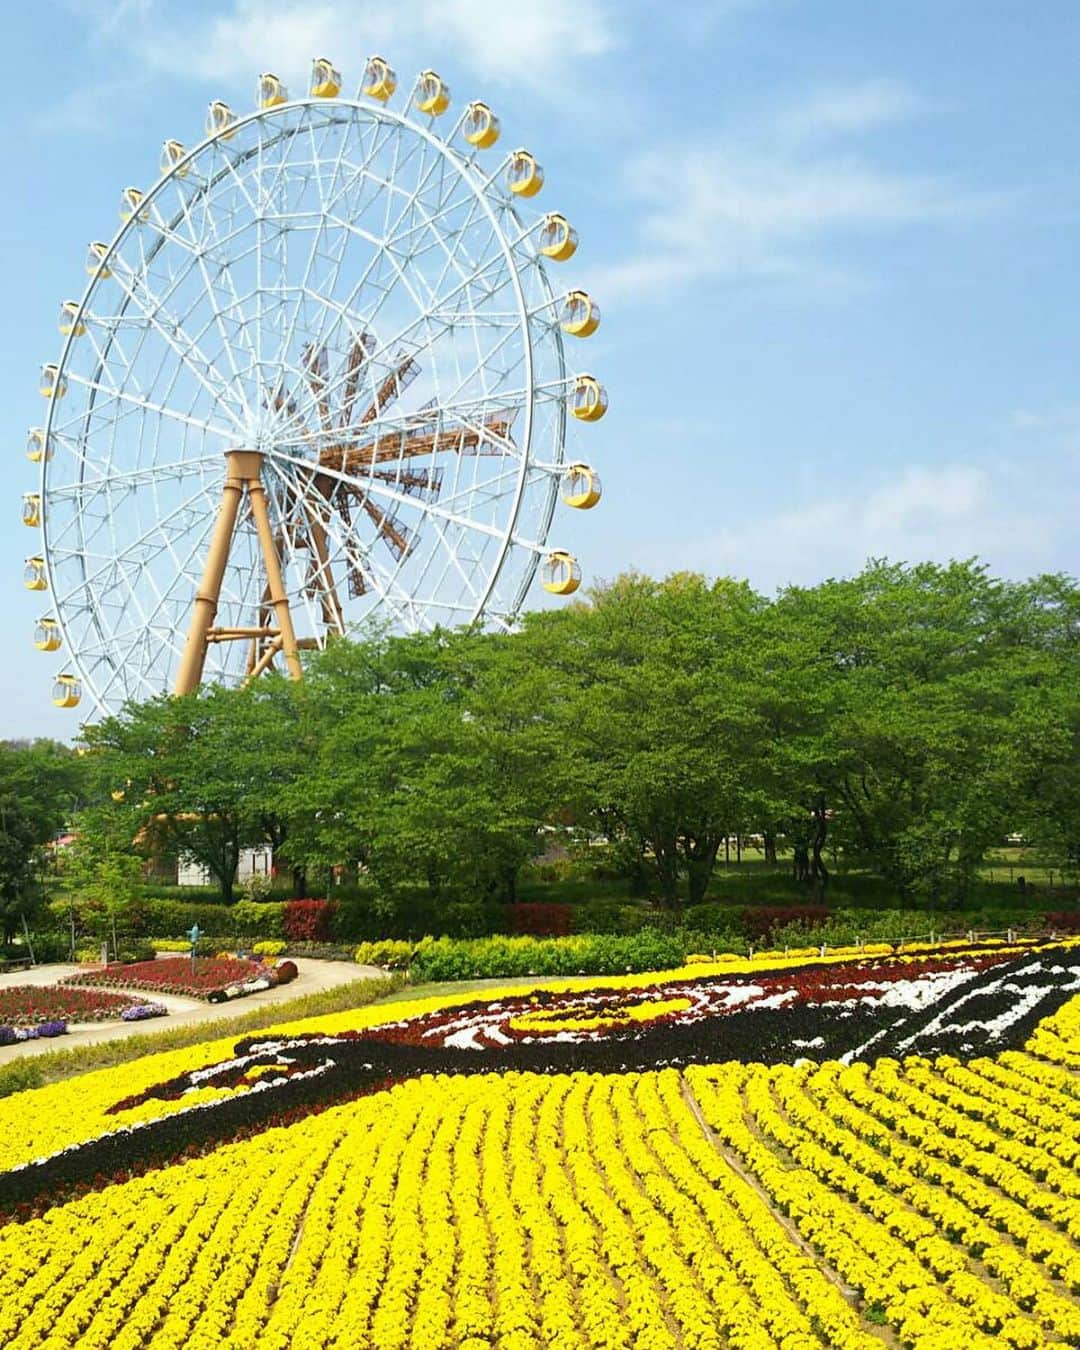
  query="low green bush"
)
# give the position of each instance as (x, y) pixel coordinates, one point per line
(505, 957)
(391, 953)
(251, 919)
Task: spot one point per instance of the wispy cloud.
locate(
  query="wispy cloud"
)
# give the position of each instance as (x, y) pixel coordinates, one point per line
(938, 513)
(500, 43)
(851, 110)
(764, 205)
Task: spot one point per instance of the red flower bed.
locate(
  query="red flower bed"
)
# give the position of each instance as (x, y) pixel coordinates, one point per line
(308, 920)
(173, 975)
(27, 1005)
(540, 920)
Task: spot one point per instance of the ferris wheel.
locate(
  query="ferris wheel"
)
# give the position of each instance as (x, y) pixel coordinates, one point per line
(317, 377)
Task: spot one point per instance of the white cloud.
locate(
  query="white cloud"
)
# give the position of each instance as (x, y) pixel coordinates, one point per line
(498, 42)
(954, 511)
(856, 108)
(763, 204)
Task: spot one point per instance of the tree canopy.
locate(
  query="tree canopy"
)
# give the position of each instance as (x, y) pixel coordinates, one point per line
(904, 719)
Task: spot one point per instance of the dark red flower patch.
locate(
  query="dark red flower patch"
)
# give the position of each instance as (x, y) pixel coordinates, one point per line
(25, 1005)
(173, 975)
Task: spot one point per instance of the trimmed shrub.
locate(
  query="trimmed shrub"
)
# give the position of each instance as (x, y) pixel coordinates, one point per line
(273, 947)
(539, 920)
(286, 972)
(503, 957)
(253, 920)
(1063, 920)
(391, 953)
(758, 924)
(308, 920)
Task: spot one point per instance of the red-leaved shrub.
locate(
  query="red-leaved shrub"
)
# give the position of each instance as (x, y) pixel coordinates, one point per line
(1063, 921)
(540, 920)
(759, 923)
(308, 920)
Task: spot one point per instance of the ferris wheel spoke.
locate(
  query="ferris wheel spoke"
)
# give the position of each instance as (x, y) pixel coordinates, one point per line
(195, 361)
(388, 493)
(198, 257)
(156, 529)
(147, 405)
(180, 468)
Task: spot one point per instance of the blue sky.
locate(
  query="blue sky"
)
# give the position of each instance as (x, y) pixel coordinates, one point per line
(835, 243)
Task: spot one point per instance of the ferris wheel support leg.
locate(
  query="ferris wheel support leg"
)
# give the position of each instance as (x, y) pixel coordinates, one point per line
(204, 610)
(275, 584)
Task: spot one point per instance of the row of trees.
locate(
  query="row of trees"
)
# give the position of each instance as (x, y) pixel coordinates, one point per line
(908, 718)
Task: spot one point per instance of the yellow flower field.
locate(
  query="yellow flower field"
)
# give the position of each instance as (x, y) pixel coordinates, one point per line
(932, 1204)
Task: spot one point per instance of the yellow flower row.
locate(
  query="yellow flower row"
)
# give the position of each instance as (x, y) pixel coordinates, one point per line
(59, 1115)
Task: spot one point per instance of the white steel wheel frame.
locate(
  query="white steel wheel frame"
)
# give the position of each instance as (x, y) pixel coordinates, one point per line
(319, 258)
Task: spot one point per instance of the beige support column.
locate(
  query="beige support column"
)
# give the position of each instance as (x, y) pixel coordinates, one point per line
(331, 606)
(206, 600)
(272, 563)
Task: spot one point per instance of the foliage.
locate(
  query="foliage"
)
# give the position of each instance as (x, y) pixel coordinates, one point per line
(308, 920)
(41, 782)
(391, 954)
(496, 957)
(890, 727)
(540, 920)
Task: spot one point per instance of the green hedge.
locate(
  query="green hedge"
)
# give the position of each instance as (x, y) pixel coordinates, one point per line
(588, 954)
(249, 919)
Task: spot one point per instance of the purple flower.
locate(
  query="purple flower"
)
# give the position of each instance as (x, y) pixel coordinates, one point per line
(50, 1029)
(139, 1011)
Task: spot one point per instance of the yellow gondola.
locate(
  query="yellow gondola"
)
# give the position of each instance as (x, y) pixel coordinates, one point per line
(432, 94)
(31, 509)
(581, 487)
(34, 578)
(379, 80)
(524, 177)
(130, 203)
(220, 120)
(50, 383)
(558, 238)
(271, 92)
(325, 79)
(172, 152)
(95, 259)
(66, 321)
(37, 447)
(47, 635)
(67, 691)
(581, 314)
(560, 573)
(480, 126)
(589, 401)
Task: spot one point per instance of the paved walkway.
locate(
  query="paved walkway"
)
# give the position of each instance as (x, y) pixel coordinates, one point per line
(311, 978)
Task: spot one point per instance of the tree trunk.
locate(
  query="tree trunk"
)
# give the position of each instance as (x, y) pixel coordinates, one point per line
(769, 846)
(818, 871)
(700, 862)
(299, 882)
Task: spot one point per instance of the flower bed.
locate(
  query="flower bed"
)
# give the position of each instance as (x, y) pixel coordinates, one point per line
(173, 975)
(800, 1152)
(24, 1005)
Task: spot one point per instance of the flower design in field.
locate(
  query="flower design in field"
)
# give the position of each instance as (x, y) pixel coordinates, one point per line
(965, 1003)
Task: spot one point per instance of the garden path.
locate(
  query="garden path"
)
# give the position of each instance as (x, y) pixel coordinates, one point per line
(311, 978)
